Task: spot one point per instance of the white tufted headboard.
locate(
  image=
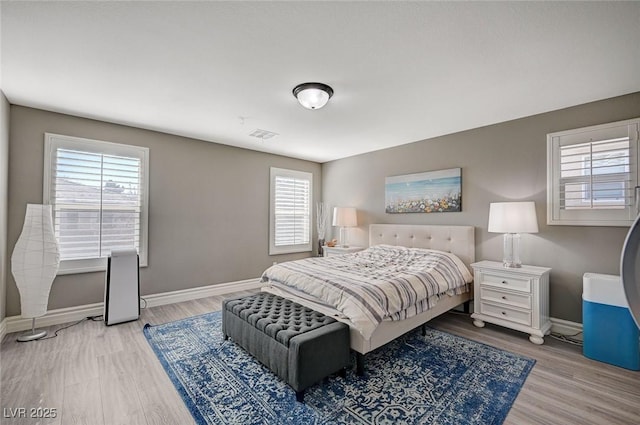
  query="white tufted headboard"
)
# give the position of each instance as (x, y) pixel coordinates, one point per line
(459, 240)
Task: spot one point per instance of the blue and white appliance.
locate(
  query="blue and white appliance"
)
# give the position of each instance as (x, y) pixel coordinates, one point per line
(610, 333)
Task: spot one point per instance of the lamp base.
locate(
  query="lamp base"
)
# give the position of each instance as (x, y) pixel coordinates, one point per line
(511, 251)
(343, 237)
(34, 335)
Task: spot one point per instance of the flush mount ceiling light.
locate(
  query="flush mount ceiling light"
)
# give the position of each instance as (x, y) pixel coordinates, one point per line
(313, 95)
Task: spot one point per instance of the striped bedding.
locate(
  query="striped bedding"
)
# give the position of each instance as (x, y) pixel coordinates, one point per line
(380, 283)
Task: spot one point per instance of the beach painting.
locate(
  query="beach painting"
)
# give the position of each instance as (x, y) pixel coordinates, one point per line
(428, 192)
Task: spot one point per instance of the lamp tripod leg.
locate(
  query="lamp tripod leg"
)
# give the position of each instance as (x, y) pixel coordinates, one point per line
(33, 335)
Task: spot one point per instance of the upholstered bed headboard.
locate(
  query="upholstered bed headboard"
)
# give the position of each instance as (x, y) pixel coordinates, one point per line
(459, 240)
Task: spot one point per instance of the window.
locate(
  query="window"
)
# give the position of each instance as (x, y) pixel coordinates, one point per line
(290, 218)
(612, 164)
(593, 174)
(99, 197)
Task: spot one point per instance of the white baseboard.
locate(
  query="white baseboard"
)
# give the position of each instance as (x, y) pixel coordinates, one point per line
(564, 327)
(201, 292)
(72, 314)
(3, 328)
(54, 317)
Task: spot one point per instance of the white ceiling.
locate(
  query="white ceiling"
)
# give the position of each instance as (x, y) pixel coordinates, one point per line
(401, 71)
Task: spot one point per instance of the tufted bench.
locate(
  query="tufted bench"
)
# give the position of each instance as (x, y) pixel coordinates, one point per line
(298, 344)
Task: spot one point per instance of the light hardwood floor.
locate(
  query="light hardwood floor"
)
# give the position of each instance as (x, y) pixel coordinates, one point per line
(98, 375)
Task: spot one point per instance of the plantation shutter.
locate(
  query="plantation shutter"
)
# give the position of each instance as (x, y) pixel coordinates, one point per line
(98, 195)
(594, 175)
(291, 211)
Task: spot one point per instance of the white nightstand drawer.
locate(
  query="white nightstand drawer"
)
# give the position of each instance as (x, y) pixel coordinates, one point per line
(515, 299)
(506, 313)
(506, 282)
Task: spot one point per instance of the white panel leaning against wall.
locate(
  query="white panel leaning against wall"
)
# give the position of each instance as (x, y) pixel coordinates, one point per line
(592, 175)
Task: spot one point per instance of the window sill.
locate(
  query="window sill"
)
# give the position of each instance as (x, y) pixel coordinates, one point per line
(291, 250)
(71, 269)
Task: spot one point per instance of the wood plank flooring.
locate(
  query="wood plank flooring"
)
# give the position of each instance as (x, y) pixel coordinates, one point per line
(98, 375)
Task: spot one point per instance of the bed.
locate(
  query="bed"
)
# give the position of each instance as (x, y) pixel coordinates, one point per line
(457, 240)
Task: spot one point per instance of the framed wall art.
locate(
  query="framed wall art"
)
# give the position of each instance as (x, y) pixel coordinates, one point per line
(428, 192)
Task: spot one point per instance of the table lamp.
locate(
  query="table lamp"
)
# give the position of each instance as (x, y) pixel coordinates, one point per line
(344, 217)
(512, 218)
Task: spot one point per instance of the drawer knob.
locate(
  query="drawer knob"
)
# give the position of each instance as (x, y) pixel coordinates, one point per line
(505, 282)
(504, 313)
(504, 298)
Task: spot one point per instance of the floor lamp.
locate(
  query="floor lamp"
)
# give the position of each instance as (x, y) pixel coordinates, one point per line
(34, 264)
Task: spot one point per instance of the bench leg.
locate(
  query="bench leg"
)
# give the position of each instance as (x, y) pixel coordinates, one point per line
(465, 307)
(423, 329)
(343, 373)
(300, 396)
(359, 364)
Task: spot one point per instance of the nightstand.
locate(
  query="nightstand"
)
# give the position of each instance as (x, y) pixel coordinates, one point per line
(330, 251)
(516, 298)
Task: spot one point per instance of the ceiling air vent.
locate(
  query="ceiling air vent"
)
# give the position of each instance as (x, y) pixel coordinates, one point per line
(263, 134)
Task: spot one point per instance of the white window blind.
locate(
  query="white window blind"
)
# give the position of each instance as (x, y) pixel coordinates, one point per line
(290, 211)
(593, 175)
(596, 175)
(98, 191)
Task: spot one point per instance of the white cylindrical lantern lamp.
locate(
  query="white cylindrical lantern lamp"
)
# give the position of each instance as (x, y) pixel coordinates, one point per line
(34, 264)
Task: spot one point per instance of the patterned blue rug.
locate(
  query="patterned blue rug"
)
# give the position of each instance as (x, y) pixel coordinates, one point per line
(434, 379)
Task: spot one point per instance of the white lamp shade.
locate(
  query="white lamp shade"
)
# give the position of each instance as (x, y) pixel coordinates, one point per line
(313, 98)
(35, 260)
(344, 217)
(513, 217)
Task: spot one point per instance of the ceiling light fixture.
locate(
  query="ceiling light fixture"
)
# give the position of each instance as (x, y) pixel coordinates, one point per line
(313, 95)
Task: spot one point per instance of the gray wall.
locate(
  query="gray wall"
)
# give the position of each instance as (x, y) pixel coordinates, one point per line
(4, 188)
(208, 212)
(204, 230)
(500, 162)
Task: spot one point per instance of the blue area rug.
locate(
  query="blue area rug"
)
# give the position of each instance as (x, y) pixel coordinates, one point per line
(434, 379)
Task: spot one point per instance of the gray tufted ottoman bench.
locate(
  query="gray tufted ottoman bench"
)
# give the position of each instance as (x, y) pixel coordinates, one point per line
(298, 344)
